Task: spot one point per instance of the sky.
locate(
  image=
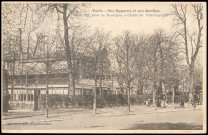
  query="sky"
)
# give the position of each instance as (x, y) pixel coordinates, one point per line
(137, 17)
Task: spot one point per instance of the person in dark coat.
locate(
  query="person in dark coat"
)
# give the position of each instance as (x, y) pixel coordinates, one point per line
(158, 102)
(195, 98)
(182, 103)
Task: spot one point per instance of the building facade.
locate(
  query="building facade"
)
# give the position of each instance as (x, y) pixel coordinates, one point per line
(27, 84)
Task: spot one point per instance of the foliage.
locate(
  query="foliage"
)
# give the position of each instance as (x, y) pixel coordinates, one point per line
(110, 100)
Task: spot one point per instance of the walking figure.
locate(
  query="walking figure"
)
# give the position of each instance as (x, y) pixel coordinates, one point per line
(194, 101)
(182, 103)
(164, 100)
(148, 102)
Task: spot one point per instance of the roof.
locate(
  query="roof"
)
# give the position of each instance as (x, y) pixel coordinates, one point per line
(83, 83)
(42, 86)
(39, 68)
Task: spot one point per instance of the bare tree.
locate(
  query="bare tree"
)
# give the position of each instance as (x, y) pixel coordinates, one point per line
(192, 43)
(162, 61)
(67, 13)
(126, 46)
(47, 53)
(17, 21)
(141, 59)
(97, 45)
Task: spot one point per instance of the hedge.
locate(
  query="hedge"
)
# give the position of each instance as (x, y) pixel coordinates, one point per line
(59, 101)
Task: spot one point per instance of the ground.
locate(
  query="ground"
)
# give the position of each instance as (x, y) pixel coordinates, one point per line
(115, 118)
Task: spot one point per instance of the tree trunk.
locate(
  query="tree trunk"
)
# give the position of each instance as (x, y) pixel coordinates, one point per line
(100, 86)
(129, 101)
(101, 75)
(140, 86)
(5, 91)
(12, 89)
(21, 53)
(160, 89)
(154, 94)
(173, 96)
(28, 48)
(155, 71)
(73, 90)
(67, 47)
(191, 80)
(47, 64)
(69, 85)
(129, 98)
(163, 87)
(12, 85)
(95, 96)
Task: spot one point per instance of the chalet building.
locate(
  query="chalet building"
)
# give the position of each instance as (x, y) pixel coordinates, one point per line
(27, 83)
(26, 96)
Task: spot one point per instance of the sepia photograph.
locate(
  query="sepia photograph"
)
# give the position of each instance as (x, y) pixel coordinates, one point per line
(103, 67)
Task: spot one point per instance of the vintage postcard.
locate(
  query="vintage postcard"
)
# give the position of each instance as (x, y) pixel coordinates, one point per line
(103, 67)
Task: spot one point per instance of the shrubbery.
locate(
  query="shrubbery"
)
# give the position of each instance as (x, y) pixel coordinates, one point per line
(139, 99)
(58, 101)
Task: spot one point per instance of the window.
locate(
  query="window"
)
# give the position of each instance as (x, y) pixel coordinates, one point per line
(50, 91)
(31, 97)
(25, 97)
(78, 92)
(14, 97)
(65, 92)
(87, 91)
(21, 97)
(58, 91)
(28, 97)
(17, 97)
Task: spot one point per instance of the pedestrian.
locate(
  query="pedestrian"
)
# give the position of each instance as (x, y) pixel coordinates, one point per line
(158, 102)
(182, 103)
(195, 100)
(164, 100)
(148, 102)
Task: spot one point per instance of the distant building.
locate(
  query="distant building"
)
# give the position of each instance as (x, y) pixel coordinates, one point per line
(29, 84)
